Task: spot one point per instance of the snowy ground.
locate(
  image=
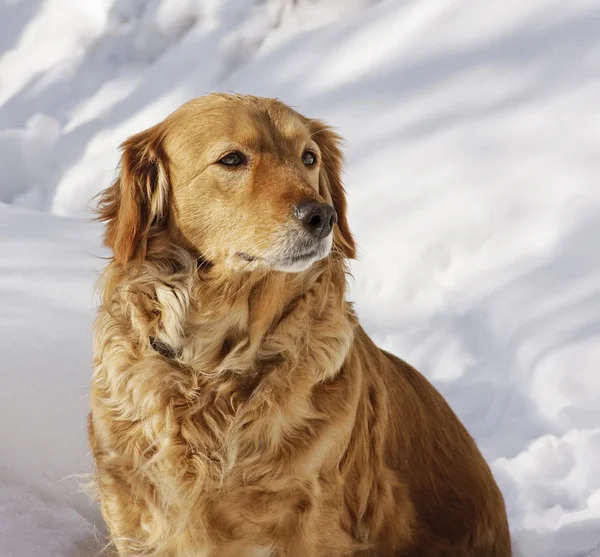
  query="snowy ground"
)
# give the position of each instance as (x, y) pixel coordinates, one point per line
(473, 131)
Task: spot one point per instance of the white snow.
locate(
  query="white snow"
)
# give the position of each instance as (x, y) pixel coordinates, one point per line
(473, 177)
(46, 300)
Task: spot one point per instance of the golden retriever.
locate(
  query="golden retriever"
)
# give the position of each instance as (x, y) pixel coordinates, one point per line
(238, 409)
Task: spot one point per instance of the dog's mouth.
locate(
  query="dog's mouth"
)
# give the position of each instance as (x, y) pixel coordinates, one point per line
(303, 256)
(291, 259)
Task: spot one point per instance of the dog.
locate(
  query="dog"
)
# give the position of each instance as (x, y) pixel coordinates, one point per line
(238, 409)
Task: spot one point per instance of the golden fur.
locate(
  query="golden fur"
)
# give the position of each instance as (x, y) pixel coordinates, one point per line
(240, 410)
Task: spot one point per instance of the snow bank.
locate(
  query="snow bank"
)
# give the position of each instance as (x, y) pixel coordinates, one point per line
(47, 272)
(472, 132)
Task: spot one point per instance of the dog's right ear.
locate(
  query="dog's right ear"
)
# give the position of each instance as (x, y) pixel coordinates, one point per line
(137, 202)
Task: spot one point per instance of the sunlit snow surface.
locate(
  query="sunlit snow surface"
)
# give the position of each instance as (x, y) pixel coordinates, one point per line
(473, 168)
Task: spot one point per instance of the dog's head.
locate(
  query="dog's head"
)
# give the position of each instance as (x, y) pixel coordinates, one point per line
(241, 181)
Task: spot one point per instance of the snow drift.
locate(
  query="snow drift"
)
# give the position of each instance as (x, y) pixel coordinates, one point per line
(472, 134)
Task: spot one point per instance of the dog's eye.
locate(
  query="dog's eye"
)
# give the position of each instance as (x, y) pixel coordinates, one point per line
(309, 158)
(232, 159)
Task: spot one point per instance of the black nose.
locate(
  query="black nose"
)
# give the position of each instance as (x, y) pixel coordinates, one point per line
(317, 218)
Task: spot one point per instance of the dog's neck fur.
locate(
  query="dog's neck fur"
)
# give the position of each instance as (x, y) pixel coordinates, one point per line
(238, 348)
(215, 321)
(247, 396)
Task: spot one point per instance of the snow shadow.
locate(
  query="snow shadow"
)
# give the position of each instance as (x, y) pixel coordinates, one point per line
(555, 51)
(19, 14)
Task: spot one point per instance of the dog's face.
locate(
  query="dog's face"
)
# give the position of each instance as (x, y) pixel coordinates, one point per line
(242, 181)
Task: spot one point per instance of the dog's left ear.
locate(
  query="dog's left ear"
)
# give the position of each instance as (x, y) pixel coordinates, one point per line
(330, 181)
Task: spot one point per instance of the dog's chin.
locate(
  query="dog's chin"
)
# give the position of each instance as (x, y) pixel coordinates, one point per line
(294, 265)
(287, 259)
(298, 260)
